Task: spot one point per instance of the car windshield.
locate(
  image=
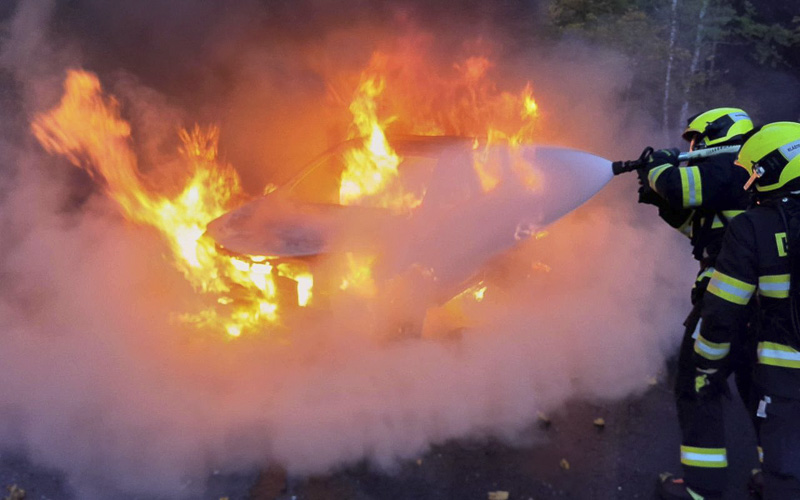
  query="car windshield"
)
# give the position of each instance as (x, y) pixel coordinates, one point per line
(420, 165)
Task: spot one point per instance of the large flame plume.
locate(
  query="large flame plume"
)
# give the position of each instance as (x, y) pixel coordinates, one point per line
(87, 129)
(245, 291)
(422, 99)
(371, 171)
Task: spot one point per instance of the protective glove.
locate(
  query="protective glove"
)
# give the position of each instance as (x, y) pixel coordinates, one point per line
(699, 289)
(650, 197)
(657, 159)
(664, 157)
(644, 182)
(710, 383)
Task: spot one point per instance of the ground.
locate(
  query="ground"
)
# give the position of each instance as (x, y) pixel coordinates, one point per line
(571, 458)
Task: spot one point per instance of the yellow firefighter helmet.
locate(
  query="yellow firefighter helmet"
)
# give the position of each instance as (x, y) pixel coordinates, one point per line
(717, 126)
(772, 157)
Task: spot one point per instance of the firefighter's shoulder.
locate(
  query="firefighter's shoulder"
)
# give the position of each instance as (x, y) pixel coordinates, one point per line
(760, 216)
(747, 224)
(721, 170)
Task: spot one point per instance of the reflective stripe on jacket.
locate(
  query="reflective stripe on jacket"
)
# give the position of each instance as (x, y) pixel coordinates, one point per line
(702, 199)
(753, 262)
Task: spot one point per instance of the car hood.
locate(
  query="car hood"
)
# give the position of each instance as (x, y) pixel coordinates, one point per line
(276, 226)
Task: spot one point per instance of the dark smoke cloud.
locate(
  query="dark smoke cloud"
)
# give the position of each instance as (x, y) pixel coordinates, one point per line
(194, 48)
(236, 63)
(102, 384)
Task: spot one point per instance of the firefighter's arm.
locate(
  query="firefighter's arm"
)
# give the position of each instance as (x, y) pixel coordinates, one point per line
(663, 177)
(708, 184)
(678, 218)
(674, 215)
(732, 285)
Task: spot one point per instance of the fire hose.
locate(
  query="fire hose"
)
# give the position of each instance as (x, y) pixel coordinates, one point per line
(619, 167)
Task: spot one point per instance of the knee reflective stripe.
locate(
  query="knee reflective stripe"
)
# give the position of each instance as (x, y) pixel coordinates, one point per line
(775, 286)
(653, 174)
(692, 187)
(760, 455)
(730, 289)
(711, 350)
(774, 354)
(704, 457)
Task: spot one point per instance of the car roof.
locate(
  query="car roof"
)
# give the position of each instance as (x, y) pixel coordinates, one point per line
(405, 145)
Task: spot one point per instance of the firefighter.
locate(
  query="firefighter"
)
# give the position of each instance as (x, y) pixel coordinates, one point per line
(700, 200)
(759, 263)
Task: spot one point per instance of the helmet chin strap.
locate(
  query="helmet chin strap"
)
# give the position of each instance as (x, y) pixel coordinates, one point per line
(757, 172)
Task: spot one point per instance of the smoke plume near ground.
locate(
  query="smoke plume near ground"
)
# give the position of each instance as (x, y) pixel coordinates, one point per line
(101, 382)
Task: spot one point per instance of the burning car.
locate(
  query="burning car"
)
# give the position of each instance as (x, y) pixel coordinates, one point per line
(411, 220)
(448, 207)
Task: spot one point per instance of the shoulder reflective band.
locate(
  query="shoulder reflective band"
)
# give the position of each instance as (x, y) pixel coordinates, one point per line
(692, 187)
(774, 354)
(728, 214)
(653, 174)
(704, 457)
(775, 286)
(711, 350)
(730, 289)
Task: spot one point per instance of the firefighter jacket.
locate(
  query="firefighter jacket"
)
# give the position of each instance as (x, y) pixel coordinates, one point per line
(701, 198)
(754, 265)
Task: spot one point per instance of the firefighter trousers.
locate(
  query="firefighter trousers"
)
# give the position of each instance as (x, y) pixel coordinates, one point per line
(703, 451)
(779, 432)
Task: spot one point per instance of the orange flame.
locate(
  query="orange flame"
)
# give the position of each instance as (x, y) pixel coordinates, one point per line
(87, 129)
(420, 99)
(358, 276)
(400, 91)
(370, 176)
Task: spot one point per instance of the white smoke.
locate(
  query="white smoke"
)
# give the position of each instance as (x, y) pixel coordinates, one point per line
(100, 382)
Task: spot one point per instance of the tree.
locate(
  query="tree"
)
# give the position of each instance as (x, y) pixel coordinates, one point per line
(691, 49)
